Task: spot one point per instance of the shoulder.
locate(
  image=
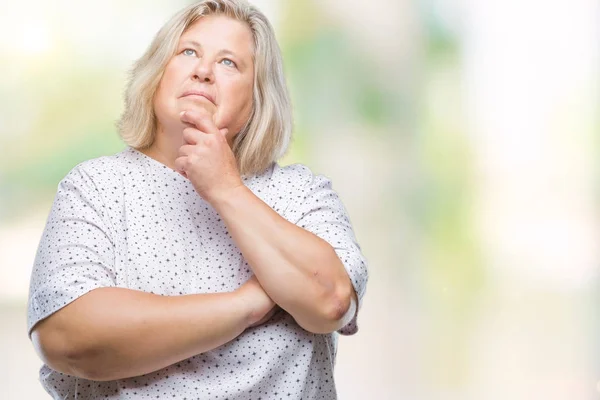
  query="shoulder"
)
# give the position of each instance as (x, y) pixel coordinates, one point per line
(299, 189)
(98, 172)
(292, 172)
(298, 178)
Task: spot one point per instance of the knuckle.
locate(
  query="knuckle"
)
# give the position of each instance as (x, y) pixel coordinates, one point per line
(179, 163)
(189, 135)
(215, 140)
(191, 159)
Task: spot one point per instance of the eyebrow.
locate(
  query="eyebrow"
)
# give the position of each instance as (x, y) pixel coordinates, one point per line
(220, 53)
(192, 42)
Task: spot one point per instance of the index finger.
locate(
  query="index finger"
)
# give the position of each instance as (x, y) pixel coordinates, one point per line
(202, 121)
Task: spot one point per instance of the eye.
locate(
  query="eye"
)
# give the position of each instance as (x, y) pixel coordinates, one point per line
(189, 52)
(227, 62)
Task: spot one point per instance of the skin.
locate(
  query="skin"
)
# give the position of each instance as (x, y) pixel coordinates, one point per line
(115, 333)
(313, 285)
(266, 239)
(214, 56)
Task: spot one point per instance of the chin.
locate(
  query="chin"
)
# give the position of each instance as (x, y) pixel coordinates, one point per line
(194, 103)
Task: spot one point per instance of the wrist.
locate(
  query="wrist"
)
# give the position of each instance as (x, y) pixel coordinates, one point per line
(243, 302)
(226, 197)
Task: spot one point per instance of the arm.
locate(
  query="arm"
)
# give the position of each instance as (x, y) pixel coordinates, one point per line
(116, 333)
(300, 271)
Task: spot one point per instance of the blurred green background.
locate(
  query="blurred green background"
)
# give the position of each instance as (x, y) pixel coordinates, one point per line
(462, 137)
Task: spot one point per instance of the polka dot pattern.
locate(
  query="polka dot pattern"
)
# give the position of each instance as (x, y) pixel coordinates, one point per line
(127, 220)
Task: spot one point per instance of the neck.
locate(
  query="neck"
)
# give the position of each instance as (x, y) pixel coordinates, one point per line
(164, 149)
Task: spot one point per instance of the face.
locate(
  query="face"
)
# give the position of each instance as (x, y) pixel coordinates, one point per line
(212, 70)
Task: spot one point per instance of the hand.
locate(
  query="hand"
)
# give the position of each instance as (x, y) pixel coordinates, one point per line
(206, 158)
(260, 306)
(267, 317)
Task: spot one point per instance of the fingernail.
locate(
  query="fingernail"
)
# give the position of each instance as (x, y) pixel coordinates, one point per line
(181, 113)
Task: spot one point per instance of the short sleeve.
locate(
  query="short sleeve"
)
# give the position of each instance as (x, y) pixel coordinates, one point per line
(76, 251)
(318, 209)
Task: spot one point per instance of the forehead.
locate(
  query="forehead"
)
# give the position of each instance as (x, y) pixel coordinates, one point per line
(220, 32)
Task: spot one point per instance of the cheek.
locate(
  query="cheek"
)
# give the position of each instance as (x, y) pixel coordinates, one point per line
(159, 103)
(236, 105)
(171, 78)
(163, 97)
(243, 100)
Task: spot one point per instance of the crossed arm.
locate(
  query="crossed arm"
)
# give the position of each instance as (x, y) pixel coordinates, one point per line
(300, 271)
(115, 333)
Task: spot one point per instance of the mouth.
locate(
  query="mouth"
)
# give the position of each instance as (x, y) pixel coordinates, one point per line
(198, 94)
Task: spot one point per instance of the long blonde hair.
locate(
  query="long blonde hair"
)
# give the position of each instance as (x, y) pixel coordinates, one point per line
(266, 135)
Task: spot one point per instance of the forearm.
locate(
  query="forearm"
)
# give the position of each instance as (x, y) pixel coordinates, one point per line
(115, 333)
(300, 271)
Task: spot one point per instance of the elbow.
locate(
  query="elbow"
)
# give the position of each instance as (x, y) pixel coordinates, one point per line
(62, 354)
(83, 362)
(83, 365)
(339, 305)
(51, 345)
(335, 311)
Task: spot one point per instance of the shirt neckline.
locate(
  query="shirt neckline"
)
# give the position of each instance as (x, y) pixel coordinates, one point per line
(245, 179)
(151, 160)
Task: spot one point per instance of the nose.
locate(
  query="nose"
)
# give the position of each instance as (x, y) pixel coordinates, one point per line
(204, 71)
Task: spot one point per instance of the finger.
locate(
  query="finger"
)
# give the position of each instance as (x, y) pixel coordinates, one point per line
(224, 132)
(181, 165)
(203, 121)
(191, 135)
(186, 150)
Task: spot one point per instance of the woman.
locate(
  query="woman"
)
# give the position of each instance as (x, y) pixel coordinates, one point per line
(191, 265)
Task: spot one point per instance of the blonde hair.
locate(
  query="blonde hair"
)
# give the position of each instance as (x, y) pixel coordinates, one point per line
(266, 135)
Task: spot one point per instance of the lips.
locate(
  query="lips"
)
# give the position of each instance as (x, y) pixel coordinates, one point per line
(198, 93)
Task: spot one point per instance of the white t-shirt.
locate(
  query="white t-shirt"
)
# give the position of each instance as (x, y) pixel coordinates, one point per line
(129, 221)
